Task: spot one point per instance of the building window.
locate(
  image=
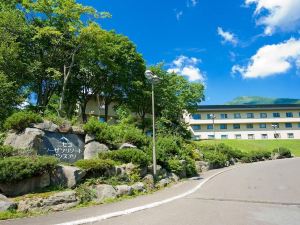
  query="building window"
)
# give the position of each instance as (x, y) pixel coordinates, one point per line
(277, 136)
(196, 127)
(210, 127)
(224, 136)
(288, 125)
(102, 119)
(237, 115)
(223, 126)
(263, 115)
(208, 116)
(250, 115)
(250, 136)
(275, 125)
(211, 136)
(262, 125)
(236, 126)
(264, 136)
(290, 135)
(196, 116)
(224, 116)
(276, 115)
(298, 125)
(289, 114)
(238, 136)
(249, 126)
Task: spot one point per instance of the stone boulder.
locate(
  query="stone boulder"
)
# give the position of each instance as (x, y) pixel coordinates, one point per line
(159, 170)
(201, 166)
(148, 180)
(65, 128)
(104, 191)
(67, 176)
(124, 190)
(89, 138)
(127, 145)
(25, 186)
(57, 202)
(77, 130)
(47, 126)
(163, 183)
(6, 204)
(139, 187)
(92, 149)
(31, 138)
(173, 177)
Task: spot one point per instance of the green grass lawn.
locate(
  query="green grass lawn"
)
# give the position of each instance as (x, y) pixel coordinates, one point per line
(254, 145)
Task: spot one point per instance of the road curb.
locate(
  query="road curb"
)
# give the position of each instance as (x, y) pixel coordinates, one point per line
(144, 207)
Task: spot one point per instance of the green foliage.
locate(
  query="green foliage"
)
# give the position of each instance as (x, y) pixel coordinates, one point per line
(190, 167)
(176, 166)
(283, 152)
(96, 167)
(215, 159)
(115, 134)
(230, 152)
(7, 151)
(20, 120)
(17, 168)
(85, 193)
(135, 156)
(256, 156)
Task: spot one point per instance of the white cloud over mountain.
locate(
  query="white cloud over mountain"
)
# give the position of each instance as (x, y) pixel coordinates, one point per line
(187, 67)
(275, 15)
(271, 60)
(227, 36)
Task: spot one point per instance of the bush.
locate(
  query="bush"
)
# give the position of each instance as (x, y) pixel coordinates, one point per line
(283, 152)
(7, 151)
(135, 156)
(230, 152)
(96, 167)
(175, 166)
(20, 120)
(256, 156)
(190, 167)
(17, 168)
(215, 159)
(85, 193)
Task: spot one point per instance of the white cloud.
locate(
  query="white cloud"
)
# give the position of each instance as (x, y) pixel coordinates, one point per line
(271, 60)
(227, 36)
(277, 14)
(179, 14)
(191, 3)
(187, 67)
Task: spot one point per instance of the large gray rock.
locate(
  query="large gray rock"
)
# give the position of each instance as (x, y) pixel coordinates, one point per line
(77, 130)
(57, 202)
(127, 145)
(89, 138)
(125, 169)
(92, 149)
(148, 180)
(201, 166)
(6, 204)
(163, 183)
(31, 138)
(65, 128)
(124, 190)
(25, 186)
(46, 125)
(67, 176)
(173, 177)
(139, 187)
(104, 191)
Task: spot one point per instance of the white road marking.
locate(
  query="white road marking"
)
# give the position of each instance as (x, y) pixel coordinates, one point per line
(140, 208)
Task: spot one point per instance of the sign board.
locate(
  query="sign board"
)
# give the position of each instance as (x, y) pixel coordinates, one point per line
(67, 147)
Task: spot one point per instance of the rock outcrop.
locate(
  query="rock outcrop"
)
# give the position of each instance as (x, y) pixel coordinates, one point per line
(6, 204)
(92, 149)
(67, 176)
(104, 191)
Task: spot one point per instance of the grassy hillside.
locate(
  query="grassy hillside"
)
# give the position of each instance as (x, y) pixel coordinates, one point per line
(254, 100)
(254, 145)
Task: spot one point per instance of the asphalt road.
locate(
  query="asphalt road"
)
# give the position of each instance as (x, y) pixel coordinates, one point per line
(265, 193)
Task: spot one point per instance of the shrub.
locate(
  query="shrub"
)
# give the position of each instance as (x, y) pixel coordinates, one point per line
(96, 167)
(85, 193)
(230, 152)
(283, 152)
(135, 156)
(215, 159)
(190, 167)
(7, 151)
(175, 166)
(255, 156)
(20, 120)
(17, 168)
(131, 135)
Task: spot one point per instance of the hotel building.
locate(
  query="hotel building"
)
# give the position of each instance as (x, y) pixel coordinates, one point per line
(274, 121)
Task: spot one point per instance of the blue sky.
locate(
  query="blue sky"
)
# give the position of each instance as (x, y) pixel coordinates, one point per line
(245, 48)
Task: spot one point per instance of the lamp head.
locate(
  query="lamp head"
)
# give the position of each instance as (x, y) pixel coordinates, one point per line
(149, 75)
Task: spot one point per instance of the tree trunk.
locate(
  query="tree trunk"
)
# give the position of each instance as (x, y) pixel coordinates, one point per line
(106, 104)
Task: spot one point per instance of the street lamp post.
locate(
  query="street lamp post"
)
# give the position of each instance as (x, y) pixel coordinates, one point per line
(213, 117)
(276, 135)
(154, 79)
